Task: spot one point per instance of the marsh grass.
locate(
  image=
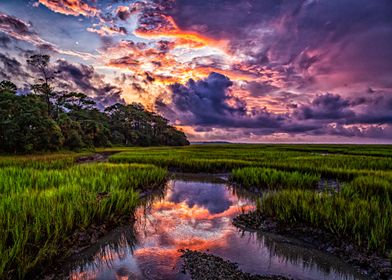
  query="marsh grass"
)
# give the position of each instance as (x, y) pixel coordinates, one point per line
(45, 198)
(224, 158)
(41, 208)
(42, 161)
(254, 177)
(368, 187)
(367, 222)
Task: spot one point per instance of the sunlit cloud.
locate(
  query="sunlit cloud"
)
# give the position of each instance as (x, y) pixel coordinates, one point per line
(70, 7)
(280, 57)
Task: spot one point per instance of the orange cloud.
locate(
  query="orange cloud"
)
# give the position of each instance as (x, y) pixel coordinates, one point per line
(183, 38)
(70, 7)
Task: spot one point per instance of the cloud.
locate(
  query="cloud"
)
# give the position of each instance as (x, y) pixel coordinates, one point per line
(213, 198)
(326, 107)
(155, 23)
(258, 89)
(67, 76)
(123, 13)
(5, 41)
(322, 43)
(105, 30)
(83, 78)
(208, 102)
(70, 7)
(208, 106)
(20, 30)
(374, 108)
(10, 68)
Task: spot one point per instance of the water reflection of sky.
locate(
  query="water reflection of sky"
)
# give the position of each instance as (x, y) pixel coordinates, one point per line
(198, 216)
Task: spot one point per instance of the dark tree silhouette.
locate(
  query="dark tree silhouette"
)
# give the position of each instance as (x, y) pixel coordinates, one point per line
(40, 64)
(49, 120)
(7, 86)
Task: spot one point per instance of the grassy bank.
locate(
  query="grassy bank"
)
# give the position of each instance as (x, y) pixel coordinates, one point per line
(41, 208)
(255, 177)
(41, 161)
(367, 222)
(338, 162)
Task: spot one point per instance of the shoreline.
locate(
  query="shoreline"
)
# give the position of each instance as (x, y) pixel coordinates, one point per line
(203, 266)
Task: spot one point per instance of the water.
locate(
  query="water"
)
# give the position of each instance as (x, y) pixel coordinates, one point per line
(195, 214)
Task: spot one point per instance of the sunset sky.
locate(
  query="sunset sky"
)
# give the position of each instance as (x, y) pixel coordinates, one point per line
(233, 70)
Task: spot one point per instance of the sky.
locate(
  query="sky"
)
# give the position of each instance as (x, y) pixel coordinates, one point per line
(306, 71)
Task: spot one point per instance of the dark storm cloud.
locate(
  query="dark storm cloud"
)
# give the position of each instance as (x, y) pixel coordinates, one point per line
(5, 41)
(375, 108)
(368, 115)
(373, 131)
(206, 102)
(326, 107)
(13, 25)
(80, 77)
(123, 13)
(10, 68)
(19, 29)
(213, 198)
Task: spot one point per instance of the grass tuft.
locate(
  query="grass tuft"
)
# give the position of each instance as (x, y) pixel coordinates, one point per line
(41, 207)
(254, 177)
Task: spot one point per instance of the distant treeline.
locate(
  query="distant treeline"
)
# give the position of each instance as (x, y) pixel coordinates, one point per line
(47, 120)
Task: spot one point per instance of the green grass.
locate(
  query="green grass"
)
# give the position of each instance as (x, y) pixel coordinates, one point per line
(368, 187)
(255, 177)
(41, 207)
(356, 161)
(367, 222)
(45, 198)
(42, 161)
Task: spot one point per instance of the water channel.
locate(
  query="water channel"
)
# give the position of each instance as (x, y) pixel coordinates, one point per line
(196, 212)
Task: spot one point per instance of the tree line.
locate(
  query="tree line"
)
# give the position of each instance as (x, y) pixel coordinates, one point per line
(46, 119)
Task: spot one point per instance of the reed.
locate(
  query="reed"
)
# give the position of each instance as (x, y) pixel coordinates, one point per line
(294, 158)
(368, 187)
(42, 208)
(367, 222)
(255, 177)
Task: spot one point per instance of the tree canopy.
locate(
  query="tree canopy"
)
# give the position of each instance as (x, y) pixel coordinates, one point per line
(46, 119)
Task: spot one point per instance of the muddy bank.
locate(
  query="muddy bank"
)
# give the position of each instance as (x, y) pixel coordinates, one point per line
(202, 266)
(371, 265)
(218, 178)
(97, 157)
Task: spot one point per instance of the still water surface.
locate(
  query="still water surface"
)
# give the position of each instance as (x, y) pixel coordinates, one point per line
(196, 213)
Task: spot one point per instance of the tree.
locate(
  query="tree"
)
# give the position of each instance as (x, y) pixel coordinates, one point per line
(49, 120)
(25, 125)
(134, 125)
(40, 63)
(76, 101)
(72, 132)
(8, 87)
